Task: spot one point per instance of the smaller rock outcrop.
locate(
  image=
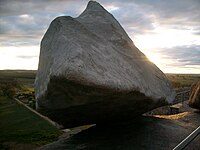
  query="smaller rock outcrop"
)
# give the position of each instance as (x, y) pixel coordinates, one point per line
(194, 100)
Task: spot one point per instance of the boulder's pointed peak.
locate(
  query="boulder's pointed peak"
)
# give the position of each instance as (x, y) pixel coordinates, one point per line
(93, 11)
(95, 6)
(96, 15)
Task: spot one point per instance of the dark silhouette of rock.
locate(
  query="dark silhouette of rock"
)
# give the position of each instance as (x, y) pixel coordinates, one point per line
(90, 71)
(194, 100)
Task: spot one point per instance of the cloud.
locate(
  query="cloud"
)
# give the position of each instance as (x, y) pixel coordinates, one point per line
(26, 57)
(18, 7)
(178, 59)
(174, 14)
(187, 55)
(28, 20)
(26, 28)
(24, 22)
(137, 22)
(19, 57)
(137, 17)
(179, 14)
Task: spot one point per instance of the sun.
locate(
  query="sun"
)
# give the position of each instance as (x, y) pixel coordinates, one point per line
(154, 58)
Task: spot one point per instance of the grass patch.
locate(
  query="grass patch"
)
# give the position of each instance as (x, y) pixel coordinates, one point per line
(183, 80)
(24, 77)
(21, 126)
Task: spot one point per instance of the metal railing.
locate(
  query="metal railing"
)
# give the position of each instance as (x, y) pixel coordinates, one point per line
(182, 96)
(188, 139)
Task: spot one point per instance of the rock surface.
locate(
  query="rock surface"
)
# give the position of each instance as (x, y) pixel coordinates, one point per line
(194, 100)
(91, 71)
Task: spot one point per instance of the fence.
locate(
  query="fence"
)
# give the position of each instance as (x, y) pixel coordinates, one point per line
(188, 139)
(182, 96)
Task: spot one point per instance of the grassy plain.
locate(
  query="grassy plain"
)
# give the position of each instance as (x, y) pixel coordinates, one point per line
(19, 127)
(183, 80)
(26, 78)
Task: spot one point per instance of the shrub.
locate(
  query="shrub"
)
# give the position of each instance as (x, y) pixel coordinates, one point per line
(9, 87)
(176, 84)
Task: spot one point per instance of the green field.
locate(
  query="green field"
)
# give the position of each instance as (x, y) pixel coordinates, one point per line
(19, 126)
(24, 77)
(183, 80)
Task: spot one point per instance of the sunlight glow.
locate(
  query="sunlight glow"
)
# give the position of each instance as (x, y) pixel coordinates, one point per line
(164, 37)
(111, 8)
(155, 58)
(26, 18)
(27, 57)
(151, 43)
(19, 57)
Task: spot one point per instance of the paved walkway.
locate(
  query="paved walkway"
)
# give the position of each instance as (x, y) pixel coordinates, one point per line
(145, 132)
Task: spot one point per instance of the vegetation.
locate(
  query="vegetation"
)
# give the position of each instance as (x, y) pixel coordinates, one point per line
(27, 98)
(20, 126)
(183, 80)
(9, 87)
(18, 84)
(24, 77)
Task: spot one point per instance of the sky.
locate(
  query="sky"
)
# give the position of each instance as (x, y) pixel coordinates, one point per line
(166, 31)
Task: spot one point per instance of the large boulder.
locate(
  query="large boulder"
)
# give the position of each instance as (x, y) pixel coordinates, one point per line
(194, 100)
(90, 71)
